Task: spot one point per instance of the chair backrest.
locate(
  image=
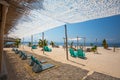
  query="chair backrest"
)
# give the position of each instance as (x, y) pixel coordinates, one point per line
(34, 47)
(33, 59)
(80, 51)
(44, 48)
(24, 54)
(47, 48)
(38, 62)
(71, 50)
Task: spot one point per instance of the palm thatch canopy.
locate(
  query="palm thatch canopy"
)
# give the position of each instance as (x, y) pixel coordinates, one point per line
(17, 8)
(27, 17)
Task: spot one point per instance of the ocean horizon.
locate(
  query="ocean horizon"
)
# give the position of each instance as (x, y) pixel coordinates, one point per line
(75, 44)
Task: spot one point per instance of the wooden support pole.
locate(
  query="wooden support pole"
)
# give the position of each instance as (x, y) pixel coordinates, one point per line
(31, 41)
(66, 38)
(77, 41)
(2, 28)
(43, 41)
(114, 49)
(23, 43)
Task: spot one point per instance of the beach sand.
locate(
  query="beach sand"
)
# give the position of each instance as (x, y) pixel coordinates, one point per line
(106, 62)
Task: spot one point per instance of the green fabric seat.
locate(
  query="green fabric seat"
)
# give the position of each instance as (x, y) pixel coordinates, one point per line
(34, 47)
(34, 60)
(73, 53)
(38, 67)
(46, 48)
(23, 55)
(16, 51)
(20, 54)
(81, 53)
(13, 49)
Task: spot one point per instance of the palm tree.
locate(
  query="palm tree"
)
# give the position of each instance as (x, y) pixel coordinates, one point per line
(30, 44)
(17, 42)
(104, 44)
(42, 43)
(52, 43)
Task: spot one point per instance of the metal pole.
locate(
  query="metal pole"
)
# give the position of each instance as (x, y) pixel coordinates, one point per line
(43, 41)
(66, 42)
(4, 10)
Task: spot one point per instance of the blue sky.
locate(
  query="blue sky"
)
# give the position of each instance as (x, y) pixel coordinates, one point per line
(108, 28)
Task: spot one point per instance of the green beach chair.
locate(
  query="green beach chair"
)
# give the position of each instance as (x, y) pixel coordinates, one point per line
(80, 53)
(16, 51)
(38, 67)
(46, 48)
(20, 53)
(23, 56)
(34, 47)
(33, 60)
(13, 49)
(73, 53)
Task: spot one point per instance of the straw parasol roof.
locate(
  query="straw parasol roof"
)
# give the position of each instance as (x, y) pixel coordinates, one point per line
(16, 10)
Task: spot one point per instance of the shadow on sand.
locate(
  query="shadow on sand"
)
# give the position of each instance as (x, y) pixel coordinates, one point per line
(76, 63)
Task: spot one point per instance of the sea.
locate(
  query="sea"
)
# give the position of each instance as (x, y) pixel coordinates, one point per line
(75, 44)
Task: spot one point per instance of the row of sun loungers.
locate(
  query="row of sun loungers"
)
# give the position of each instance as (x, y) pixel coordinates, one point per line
(37, 66)
(45, 48)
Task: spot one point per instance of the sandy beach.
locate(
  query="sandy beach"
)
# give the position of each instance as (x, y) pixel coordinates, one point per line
(106, 61)
(102, 66)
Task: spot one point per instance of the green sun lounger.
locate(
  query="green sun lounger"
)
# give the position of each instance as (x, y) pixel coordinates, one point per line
(16, 51)
(34, 47)
(23, 55)
(33, 60)
(38, 67)
(80, 53)
(13, 49)
(20, 53)
(46, 48)
(73, 53)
